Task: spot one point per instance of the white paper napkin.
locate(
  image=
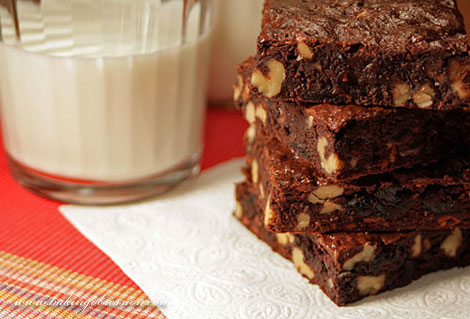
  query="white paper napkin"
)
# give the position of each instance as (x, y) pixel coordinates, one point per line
(187, 252)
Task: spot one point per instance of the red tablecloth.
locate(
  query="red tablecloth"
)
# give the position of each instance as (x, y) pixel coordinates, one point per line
(32, 230)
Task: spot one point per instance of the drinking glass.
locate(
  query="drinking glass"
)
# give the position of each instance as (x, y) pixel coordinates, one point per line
(102, 101)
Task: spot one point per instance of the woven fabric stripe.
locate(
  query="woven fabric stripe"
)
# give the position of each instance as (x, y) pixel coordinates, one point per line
(31, 289)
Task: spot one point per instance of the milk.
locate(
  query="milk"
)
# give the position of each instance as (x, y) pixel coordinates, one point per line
(102, 114)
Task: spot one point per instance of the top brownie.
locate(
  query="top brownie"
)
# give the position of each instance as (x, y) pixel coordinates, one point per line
(404, 53)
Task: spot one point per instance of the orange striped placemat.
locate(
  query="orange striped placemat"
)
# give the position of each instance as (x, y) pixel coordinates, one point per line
(31, 289)
(32, 227)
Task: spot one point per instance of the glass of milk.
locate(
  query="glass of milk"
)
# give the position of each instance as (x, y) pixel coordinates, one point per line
(102, 101)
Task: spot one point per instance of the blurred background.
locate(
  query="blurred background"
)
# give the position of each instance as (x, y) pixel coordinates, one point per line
(464, 6)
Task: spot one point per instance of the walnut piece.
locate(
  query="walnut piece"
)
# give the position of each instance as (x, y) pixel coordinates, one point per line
(370, 285)
(304, 51)
(362, 14)
(261, 113)
(285, 238)
(310, 121)
(299, 263)
(426, 244)
(250, 134)
(245, 93)
(254, 172)
(250, 112)
(459, 75)
(303, 220)
(366, 255)
(330, 207)
(417, 246)
(268, 212)
(321, 194)
(329, 283)
(237, 92)
(237, 89)
(424, 97)
(401, 94)
(354, 162)
(282, 117)
(269, 85)
(332, 163)
(452, 243)
(261, 190)
(238, 210)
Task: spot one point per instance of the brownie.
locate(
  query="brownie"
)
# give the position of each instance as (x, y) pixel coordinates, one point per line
(430, 197)
(351, 266)
(466, 137)
(347, 142)
(405, 53)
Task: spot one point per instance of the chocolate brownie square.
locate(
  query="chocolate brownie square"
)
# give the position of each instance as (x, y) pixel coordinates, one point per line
(430, 197)
(405, 53)
(349, 141)
(352, 266)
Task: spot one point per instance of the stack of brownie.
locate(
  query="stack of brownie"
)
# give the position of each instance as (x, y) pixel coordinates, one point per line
(358, 165)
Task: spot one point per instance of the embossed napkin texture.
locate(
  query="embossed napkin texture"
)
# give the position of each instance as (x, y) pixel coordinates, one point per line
(194, 260)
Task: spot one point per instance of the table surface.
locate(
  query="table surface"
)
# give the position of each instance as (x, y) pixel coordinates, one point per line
(43, 255)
